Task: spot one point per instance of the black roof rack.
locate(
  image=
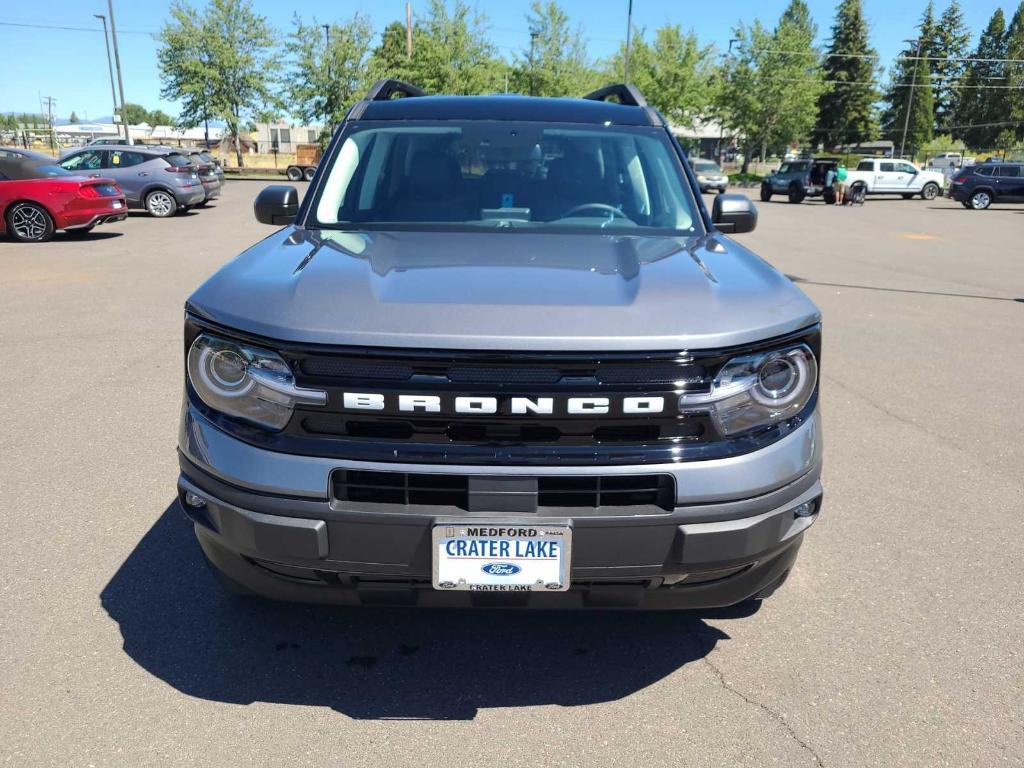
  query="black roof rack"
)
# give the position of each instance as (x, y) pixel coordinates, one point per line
(383, 90)
(627, 94)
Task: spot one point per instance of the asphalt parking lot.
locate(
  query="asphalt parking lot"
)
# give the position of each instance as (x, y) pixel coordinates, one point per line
(896, 642)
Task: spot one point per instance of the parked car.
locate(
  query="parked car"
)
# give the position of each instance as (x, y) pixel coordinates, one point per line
(207, 175)
(159, 181)
(799, 179)
(978, 186)
(36, 200)
(710, 176)
(17, 153)
(209, 159)
(452, 376)
(882, 176)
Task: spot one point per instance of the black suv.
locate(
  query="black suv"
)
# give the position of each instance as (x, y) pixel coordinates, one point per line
(978, 186)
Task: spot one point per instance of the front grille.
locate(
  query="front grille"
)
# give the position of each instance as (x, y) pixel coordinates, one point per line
(453, 490)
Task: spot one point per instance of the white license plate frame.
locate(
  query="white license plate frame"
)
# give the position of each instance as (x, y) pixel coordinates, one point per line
(455, 571)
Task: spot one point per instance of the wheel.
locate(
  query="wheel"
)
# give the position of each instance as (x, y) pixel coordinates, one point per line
(981, 200)
(161, 204)
(908, 197)
(721, 191)
(308, 174)
(930, 191)
(29, 223)
(796, 194)
(766, 193)
(294, 173)
(829, 196)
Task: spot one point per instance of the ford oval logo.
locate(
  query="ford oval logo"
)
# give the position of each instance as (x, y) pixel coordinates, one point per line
(501, 569)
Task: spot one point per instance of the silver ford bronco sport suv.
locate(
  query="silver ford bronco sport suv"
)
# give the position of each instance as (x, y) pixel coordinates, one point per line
(501, 355)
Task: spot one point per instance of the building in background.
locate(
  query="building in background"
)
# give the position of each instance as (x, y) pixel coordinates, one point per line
(285, 137)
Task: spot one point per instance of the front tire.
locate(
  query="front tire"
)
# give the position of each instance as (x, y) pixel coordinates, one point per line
(766, 193)
(161, 204)
(981, 200)
(930, 191)
(796, 194)
(29, 223)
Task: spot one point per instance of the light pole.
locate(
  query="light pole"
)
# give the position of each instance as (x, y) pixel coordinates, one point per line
(629, 40)
(533, 39)
(117, 63)
(910, 96)
(110, 64)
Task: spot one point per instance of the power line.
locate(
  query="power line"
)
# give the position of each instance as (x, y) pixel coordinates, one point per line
(71, 29)
(901, 57)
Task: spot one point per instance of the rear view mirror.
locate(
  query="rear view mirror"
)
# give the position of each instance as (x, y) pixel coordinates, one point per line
(733, 214)
(277, 204)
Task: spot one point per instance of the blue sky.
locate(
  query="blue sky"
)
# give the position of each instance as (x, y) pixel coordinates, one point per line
(71, 65)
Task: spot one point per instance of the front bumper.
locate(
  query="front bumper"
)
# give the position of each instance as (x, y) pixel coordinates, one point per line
(732, 535)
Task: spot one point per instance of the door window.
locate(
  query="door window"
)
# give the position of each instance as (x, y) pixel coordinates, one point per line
(887, 167)
(91, 160)
(1008, 171)
(866, 165)
(905, 168)
(120, 159)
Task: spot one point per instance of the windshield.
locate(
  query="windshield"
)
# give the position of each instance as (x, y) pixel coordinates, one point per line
(706, 166)
(504, 175)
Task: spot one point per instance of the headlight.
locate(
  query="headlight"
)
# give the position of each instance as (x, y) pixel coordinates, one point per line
(701, 178)
(247, 382)
(757, 390)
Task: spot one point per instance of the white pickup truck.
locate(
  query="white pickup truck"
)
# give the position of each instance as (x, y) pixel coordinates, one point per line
(885, 176)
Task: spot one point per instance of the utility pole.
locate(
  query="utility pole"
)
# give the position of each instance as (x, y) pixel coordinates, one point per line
(117, 62)
(910, 96)
(629, 39)
(533, 39)
(110, 64)
(408, 31)
(50, 101)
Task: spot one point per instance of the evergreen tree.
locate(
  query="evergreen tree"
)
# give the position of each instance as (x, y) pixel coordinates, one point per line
(452, 53)
(846, 111)
(1014, 94)
(73, 119)
(947, 52)
(978, 105)
(909, 89)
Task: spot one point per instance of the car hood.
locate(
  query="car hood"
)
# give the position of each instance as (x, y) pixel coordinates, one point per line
(497, 290)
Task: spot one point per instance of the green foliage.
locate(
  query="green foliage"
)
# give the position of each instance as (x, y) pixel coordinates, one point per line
(219, 63)
(325, 78)
(767, 96)
(159, 117)
(452, 53)
(674, 71)
(1014, 95)
(390, 57)
(846, 108)
(133, 114)
(556, 62)
(982, 108)
(948, 48)
(910, 89)
(74, 118)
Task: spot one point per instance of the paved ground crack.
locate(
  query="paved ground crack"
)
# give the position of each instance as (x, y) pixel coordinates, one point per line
(773, 714)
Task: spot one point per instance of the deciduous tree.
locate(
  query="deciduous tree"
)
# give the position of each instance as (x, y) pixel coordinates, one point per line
(556, 61)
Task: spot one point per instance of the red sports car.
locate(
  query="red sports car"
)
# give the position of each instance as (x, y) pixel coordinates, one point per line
(36, 199)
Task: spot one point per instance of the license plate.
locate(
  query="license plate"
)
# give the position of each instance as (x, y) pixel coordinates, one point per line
(116, 204)
(501, 557)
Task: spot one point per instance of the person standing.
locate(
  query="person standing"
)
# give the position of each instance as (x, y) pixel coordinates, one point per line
(841, 184)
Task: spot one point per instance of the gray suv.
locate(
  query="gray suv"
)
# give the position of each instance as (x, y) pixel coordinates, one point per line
(160, 181)
(501, 355)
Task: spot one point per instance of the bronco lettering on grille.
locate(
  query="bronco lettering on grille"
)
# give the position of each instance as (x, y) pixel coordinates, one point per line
(469, 404)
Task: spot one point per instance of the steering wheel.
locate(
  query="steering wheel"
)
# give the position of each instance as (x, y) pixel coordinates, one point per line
(604, 207)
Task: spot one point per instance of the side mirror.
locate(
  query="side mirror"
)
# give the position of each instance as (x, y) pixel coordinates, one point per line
(733, 214)
(277, 204)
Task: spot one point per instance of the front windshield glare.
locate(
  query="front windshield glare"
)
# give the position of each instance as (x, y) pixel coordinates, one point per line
(505, 175)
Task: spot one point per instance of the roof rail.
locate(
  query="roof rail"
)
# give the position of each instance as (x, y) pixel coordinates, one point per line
(627, 94)
(383, 90)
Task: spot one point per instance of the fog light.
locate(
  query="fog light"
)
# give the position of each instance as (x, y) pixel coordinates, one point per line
(804, 510)
(194, 500)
